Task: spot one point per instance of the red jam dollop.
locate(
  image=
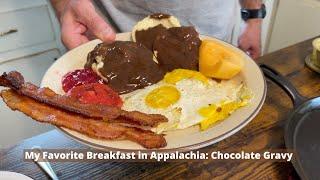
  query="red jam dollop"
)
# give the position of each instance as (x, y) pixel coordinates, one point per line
(96, 93)
(79, 77)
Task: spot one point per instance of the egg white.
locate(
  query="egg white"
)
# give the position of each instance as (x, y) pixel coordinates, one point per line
(193, 95)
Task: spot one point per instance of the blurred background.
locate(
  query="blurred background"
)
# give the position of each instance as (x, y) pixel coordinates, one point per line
(30, 43)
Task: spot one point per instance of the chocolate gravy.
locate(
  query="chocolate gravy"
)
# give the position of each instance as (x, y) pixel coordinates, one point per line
(127, 66)
(178, 47)
(147, 37)
(160, 16)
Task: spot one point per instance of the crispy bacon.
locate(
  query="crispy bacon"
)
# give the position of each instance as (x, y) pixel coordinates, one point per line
(91, 127)
(15, 81)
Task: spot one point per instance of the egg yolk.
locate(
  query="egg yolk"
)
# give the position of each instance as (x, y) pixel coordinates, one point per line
(180, 74)
(162, 97)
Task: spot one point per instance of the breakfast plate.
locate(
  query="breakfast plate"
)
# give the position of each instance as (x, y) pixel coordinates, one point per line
(179, 140)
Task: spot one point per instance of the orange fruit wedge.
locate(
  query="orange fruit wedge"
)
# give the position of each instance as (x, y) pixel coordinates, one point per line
(219, 61)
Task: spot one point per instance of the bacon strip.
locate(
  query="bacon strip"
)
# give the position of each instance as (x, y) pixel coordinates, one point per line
(15, 81)
(97, 129)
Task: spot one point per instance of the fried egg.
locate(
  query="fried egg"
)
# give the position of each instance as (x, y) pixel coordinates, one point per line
(182, 97)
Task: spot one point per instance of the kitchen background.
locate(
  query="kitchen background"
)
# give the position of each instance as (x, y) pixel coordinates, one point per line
(30, 43)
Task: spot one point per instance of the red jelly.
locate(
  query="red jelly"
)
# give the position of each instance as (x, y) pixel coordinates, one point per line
(79, 77)
(96, 93)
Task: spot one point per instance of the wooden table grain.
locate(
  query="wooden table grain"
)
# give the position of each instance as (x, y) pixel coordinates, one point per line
(263, 133)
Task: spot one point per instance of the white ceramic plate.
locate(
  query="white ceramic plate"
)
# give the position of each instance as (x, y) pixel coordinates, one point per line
(7, 175)
(181, 140)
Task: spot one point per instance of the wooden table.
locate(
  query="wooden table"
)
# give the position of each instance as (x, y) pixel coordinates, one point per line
(264, 132)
